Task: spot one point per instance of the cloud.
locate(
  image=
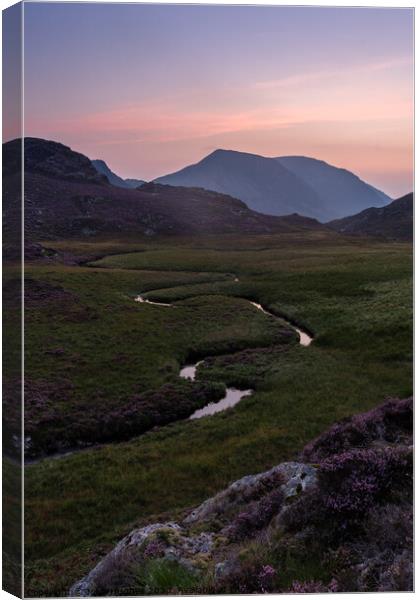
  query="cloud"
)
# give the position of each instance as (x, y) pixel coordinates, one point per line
(319, 76)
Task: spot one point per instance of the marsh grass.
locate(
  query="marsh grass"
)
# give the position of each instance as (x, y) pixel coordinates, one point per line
(354, 295)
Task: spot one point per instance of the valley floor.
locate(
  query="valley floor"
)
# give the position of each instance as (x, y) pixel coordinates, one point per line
(92, 351)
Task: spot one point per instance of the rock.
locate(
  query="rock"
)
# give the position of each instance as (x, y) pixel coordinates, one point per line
(292, 478)
(189, 551)
(86, 586)
(224, 568)
(195, 550)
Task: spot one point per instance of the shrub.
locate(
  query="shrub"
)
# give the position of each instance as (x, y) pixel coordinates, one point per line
(352, 482)
(50, 430)
(266, 578)
(349, 485)
(257, 516)
(390, 422)
(313, 587)
(154, 549)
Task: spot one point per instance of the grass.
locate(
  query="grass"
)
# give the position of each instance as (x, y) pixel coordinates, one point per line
(354, 295)
(163, 576)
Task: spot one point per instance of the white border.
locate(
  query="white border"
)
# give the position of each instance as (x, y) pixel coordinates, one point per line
(395, 4)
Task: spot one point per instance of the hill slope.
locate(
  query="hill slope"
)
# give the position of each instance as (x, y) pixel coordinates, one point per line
(102, 168)
(263, 183)
(342, 191)
(49, 158)
(357, 478)
(394, 221)
(65, 196)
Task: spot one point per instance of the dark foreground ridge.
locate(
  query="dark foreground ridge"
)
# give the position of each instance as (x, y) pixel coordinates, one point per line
(66, 197)
(342, 515)
(394, 221)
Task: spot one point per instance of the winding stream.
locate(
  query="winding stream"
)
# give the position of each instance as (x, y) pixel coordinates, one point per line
(304, 338)
(233, 395)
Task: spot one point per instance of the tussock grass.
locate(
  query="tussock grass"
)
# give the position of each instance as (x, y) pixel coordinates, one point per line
(355, 295)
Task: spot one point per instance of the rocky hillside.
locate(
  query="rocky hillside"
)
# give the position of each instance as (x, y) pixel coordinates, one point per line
(65, 196)
(394, 221)
(50, 159)
(338, 520)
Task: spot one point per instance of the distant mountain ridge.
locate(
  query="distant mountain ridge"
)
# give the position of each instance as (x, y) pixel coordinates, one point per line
(343, 191)
(66, 197)
(114, 179)
(281, 185)
(394, 221)
(262, 183)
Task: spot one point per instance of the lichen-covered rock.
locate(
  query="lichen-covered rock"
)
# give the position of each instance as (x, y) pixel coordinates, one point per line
(87, 586)
(168, 540)
(353, 511)
(291, 478)
(195, 551)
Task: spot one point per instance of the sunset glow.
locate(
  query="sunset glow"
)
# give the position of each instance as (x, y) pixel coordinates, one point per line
(150, 89)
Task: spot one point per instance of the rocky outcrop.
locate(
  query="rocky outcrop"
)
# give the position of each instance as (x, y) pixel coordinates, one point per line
(185, 543)
(49, 158)
(291, 477)
(343, 524)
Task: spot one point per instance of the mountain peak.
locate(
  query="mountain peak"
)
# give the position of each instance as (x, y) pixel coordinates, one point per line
(282, 185)
(50, 158)
(114, 179)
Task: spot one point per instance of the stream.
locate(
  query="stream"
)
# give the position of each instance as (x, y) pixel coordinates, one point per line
(233, 395)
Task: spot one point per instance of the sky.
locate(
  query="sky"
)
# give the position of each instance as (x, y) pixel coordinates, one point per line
(152, 88)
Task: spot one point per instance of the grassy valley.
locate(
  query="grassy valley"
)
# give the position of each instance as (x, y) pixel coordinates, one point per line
(91, 349)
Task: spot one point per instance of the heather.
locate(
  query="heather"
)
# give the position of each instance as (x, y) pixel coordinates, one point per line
(391, 422)
(48, 431)
(355, 295)
(344, 525)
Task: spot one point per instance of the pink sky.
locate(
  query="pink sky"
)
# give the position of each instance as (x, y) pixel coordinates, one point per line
(152, 89)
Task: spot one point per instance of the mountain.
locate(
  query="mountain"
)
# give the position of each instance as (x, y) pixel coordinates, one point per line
(263, 183)
(51, 159)
(342, 191)
(102, 168)
(278, 186)
(134, 183)
(65, 197)
(394, 221)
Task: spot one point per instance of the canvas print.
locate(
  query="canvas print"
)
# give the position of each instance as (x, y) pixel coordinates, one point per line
(207, 251)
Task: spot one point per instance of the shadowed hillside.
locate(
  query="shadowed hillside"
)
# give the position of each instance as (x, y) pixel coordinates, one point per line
(394, 221)
(49, 158)
(66, 197)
